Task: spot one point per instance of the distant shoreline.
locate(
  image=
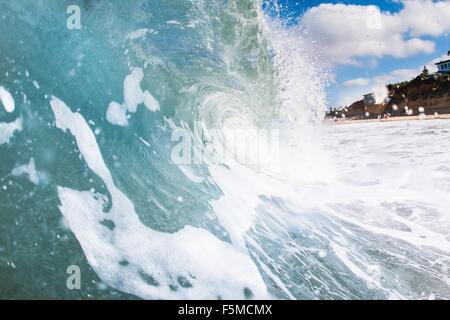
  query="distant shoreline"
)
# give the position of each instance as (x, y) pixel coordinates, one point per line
(391, 119)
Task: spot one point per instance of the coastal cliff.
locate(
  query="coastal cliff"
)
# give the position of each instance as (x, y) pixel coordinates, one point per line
(425, 94)
(432, 93)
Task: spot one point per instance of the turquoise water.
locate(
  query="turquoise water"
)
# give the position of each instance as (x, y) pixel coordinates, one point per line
(185, 63)
(88, 178)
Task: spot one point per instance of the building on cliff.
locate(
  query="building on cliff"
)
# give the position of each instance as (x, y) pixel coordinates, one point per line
(444, 65)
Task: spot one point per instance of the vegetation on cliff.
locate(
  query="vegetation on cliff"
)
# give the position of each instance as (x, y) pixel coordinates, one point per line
(428, 94)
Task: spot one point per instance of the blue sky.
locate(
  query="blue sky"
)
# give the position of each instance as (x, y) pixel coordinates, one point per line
(372, 42)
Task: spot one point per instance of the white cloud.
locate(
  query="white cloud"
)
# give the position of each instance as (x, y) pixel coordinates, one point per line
(350, 32)
(356, 82)
(396, 76)
(426, 17)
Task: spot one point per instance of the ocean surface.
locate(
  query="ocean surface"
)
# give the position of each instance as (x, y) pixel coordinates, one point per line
(90, 119)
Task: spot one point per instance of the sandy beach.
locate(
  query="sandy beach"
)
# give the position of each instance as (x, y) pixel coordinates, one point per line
(391, 119)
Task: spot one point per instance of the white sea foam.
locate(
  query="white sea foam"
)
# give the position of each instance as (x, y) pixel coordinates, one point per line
(133, 96)
(191, 263)
(117, 114)
(150, 102)
(7, 100)
(7, 130)
(28, 170)
(388, 195)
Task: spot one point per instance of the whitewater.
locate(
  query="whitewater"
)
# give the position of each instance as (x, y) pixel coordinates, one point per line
(90, 119)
